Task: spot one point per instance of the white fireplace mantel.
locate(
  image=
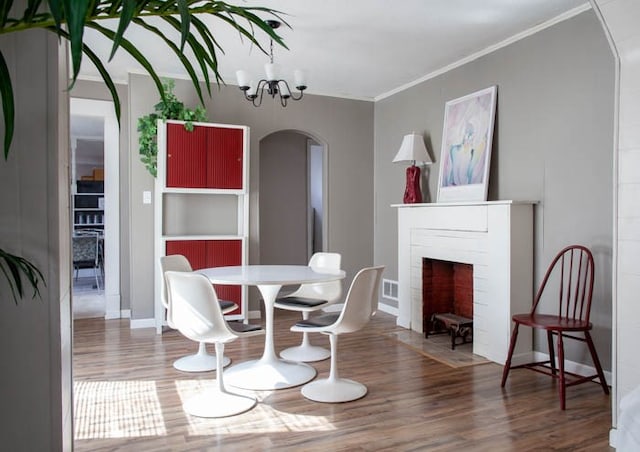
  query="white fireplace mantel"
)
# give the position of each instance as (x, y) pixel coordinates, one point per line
(496, 237)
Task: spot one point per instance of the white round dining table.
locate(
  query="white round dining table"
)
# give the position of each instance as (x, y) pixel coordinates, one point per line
(269, 372)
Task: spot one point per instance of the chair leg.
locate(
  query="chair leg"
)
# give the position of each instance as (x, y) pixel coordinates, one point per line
(596, 362)
(199, 362)
(512, 346)
(552, 357)
(305, 352)
(219, 402)
(563, 384)
(333, 369)
(333, 389)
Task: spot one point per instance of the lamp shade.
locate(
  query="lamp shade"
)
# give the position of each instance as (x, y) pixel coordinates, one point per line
(413, 149)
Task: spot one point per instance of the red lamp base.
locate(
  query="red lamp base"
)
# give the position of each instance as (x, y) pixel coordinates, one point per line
(412, 193)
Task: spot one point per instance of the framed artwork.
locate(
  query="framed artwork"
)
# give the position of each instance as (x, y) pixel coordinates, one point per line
(466, 147)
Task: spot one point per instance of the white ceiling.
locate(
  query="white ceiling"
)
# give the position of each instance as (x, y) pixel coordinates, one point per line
(361, 49)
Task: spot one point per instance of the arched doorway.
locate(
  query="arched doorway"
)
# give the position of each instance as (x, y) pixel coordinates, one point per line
(292, 197)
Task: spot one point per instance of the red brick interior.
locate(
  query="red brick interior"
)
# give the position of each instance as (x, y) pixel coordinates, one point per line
(446, 287)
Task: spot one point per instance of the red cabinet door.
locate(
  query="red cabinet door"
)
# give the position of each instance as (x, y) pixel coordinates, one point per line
(207, 157)
(224, 158)
(186, 157)
(194, 250)
(225, 253)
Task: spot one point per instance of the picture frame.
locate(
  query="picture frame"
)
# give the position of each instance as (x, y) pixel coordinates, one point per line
(467, 138)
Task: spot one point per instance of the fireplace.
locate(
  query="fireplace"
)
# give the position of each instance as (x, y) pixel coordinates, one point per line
(447, 288)
(495, 240)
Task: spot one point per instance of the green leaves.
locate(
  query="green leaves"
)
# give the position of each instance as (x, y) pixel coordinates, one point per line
(6, 90)
(68, 19)
(14, 268)
(168, 108)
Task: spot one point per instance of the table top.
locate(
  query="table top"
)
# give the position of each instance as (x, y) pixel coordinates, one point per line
(269, 275)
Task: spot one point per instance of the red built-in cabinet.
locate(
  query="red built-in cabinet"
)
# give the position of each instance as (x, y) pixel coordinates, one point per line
(207, 157)
(201, 202)
(212, 253)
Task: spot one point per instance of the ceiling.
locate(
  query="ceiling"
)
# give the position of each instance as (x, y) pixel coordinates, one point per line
(362, 49)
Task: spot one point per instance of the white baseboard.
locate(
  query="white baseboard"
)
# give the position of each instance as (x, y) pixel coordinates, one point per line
(576, 368)
(125, 314)
(110, 315)
(613, 436)
(388, 309)
(134, 324)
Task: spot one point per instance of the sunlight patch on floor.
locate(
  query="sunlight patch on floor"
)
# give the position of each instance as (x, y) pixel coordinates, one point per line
(117, 409)
(261, 419)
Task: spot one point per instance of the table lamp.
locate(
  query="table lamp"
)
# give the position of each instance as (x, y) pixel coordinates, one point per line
(413, 150)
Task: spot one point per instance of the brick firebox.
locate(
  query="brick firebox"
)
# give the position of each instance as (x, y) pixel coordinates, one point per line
(447, 287)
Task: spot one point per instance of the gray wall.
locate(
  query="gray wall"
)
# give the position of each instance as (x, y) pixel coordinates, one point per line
(35, 221)
(283, 199)
(344, 126)
(552, 144)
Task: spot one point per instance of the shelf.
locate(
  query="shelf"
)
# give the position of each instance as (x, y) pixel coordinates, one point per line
(203, 237)
(207, 225)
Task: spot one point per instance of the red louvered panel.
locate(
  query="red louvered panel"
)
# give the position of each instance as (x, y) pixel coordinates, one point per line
(194, 250)
(186, 156)
(224, 158)
(222, 253)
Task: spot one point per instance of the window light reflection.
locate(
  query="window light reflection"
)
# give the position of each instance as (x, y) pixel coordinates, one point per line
(117, 409)
(261, 419)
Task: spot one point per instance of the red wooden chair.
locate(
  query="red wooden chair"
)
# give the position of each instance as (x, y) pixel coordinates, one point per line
(573, 269)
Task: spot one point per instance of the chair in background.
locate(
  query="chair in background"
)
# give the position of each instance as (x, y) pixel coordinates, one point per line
(86, 254)
(196, 313)
(361, 303)
(201, 361)
(308, 298)
(573, 271)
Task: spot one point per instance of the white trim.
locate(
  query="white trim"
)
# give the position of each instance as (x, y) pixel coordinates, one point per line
(125, 314)
(613, 437)
(517, 37)
(574, 367)
(135, 324)
(111, 139)
(616, 214)
(388, 309)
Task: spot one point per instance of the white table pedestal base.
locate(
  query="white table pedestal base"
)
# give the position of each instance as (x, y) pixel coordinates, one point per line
(216, 403)
(261, 375)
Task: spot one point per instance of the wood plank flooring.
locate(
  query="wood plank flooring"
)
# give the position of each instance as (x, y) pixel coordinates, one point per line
(128, 398)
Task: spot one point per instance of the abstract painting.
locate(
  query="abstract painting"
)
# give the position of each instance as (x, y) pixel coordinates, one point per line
(466, 147)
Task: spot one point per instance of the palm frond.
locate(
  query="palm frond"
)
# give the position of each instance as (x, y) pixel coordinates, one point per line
(78, 15)
(68, 19)
(14, 268)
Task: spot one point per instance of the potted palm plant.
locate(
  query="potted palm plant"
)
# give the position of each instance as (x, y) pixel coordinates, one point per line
(68, 19)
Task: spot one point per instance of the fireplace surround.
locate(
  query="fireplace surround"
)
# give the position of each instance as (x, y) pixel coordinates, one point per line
(496, 238)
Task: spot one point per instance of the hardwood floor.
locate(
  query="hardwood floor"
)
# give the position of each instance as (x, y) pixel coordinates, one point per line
(128, 397)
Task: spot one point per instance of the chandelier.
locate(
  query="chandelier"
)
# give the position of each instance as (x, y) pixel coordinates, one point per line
(271, 83)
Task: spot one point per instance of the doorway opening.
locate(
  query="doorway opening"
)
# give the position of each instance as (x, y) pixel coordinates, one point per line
(293, 175)
(94, 139)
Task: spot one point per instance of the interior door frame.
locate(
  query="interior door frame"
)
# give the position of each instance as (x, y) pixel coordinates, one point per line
(111, 135)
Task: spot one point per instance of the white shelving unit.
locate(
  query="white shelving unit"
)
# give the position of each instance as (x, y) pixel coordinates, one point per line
(196, 218)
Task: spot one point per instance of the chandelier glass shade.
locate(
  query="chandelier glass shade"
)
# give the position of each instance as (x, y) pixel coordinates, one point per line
(272, 84)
